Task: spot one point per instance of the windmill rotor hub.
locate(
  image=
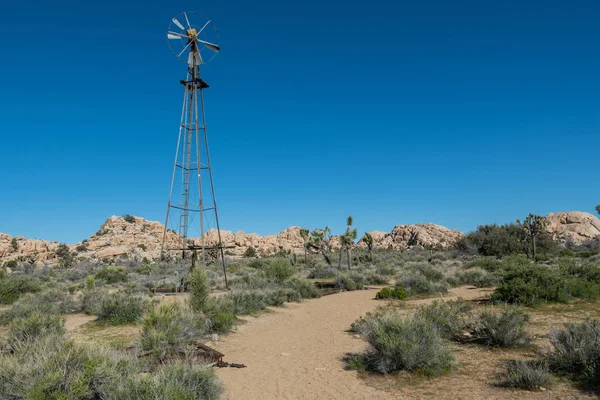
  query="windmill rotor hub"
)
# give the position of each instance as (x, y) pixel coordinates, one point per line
(192, 37)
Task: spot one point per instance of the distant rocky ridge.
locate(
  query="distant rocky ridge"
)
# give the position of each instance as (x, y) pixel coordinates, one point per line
(139, 238)
(573, 226)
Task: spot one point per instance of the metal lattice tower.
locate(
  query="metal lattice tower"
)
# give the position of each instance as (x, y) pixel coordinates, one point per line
(192, 206)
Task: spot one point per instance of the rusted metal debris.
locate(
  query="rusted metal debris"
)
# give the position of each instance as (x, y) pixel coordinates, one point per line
(216, 357)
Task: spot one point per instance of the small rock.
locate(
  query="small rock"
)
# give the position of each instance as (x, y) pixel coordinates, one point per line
(214, 337)
(320, 369)
(543, 389)
(284, 354)
(356, 336)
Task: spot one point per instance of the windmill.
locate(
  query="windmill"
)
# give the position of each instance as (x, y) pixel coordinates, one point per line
(192, 206)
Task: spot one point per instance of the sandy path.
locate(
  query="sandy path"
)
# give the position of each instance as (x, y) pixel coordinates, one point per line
(296, 352)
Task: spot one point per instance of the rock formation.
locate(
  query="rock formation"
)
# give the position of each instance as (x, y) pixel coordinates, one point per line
(404, 236)
(574, 226)
(136, 237)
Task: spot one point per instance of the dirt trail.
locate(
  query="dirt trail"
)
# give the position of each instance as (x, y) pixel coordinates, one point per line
(296, 352)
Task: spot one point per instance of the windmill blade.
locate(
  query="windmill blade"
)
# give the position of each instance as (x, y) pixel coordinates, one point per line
(211, 46)
(187, 20)
(171, 36)
(184, 49)
(205, 25)
(178, 24)
(178, 35)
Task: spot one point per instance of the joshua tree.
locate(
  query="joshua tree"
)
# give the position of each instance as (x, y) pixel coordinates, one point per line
(13, 243)
(306, 237)
(533, 226)
(368, 239)
(347, 240)
(320, 241)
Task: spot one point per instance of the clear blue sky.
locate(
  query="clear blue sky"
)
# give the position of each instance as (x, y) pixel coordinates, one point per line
(458, 113)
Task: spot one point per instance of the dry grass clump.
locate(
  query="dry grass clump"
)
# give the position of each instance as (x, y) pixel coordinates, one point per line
(121, 308)
(171, 329)
(528, 375)
(397, 343)
(48, 301)
(505, 328)
(577, 351)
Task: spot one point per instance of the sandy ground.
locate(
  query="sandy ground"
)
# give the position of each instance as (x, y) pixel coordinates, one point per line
(296, 353)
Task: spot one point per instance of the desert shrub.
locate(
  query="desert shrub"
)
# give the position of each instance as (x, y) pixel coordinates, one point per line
(121, 308)
(323, 273)
(222, 321)
(577, 351)
(505, 328)
(112, 274)
(397, 292)
(429, 272)
(32, 327)
(198, 288)
(52, 368)
(398, 344)
(528, 375)
(499, 241)
(12, 287)
(346, 281)
(181, 380)
(531, 284)
(250, 252)
(2, 274)
(129, 218)
(477, 277)
(375, 279)
(49, 301)
(449, 318)
(419, 285)
(386, 271)
(305, 288)
(278, 270)
(92, 300)
(170, 329)
(490, 264)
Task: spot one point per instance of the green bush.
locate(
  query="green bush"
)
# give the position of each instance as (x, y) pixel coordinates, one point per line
(177, 381)
(420, 285)
(278, 270)
(12, 287)
(530, 284)
(250, 252)
(171, 329)
(51, 368)
(398, 344)
(199, 289)
(528, 375)
(112, 274)
(92, 300)
(129, 218)
(449, 318)
(397, 292)
(32, 327)
(477, 277)
(347, 282)
(502, 329)
(576, 350)
(49, 301)
(121, 308)
(305, 288)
